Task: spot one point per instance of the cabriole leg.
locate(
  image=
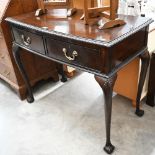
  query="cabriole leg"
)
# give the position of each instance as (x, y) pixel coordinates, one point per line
(16, 52)
(145, 57)
(107, 87)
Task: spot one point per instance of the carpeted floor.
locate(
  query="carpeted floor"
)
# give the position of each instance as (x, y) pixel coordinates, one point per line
(70, 121)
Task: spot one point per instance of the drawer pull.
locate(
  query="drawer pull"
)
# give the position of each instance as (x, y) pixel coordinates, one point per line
(72, 58)
(26, 41)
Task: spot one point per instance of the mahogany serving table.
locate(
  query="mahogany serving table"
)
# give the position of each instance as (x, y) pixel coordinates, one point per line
(69, 41)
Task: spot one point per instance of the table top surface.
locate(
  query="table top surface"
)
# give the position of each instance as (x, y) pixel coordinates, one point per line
(73, 27)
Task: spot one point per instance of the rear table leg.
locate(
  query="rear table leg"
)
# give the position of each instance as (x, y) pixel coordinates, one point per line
(16, 52)
(145, 58)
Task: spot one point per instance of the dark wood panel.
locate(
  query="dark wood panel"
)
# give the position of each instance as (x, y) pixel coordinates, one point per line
(151, 86)
(30, 40)
(87, 57)
(128, 47)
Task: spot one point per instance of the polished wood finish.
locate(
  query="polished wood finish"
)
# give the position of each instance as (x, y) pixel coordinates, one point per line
(30, 40)
(41, 8)
(92, 15)
(113, 9)
(85, 55)
(92, 12)
(42, 69)
(62, 4)
(151, 86)
(41, 5)
(102, 53)
(45, 5)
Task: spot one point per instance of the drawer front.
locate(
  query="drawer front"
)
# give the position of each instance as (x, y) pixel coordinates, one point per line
(6, 72)
(30, 40)
(74, 54)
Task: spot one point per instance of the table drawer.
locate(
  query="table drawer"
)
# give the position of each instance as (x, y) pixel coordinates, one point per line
(74, 54)
(30, 40)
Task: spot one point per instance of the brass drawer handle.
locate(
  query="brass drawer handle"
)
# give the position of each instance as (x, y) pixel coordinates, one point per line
(26, 41)
(72, 58)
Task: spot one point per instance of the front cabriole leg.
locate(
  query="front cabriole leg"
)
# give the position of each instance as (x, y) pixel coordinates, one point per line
(107, 85)
(16, 52)
(145, 58)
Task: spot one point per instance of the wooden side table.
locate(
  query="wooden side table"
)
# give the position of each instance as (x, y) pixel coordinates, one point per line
(69, 41)
(151, 86)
